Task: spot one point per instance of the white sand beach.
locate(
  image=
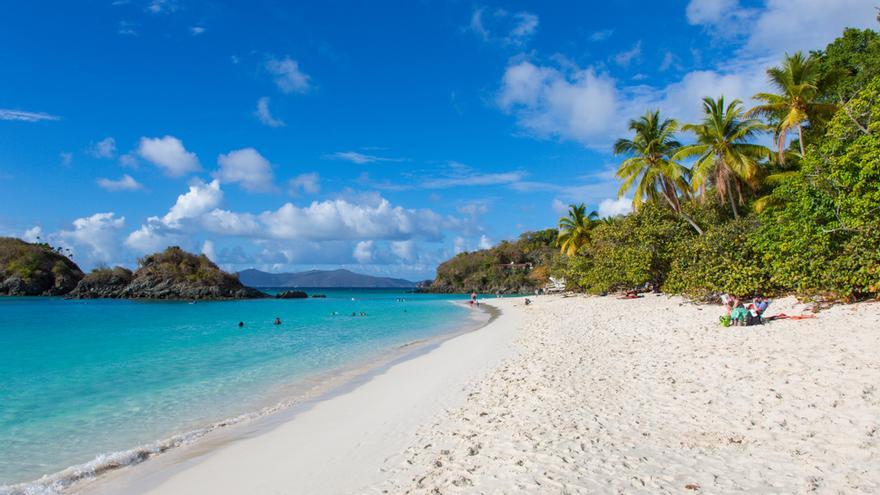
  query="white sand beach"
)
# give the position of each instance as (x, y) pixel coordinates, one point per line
(584, 395)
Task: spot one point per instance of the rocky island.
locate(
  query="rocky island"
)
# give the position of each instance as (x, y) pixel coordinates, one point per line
(35, 269)
(171, 274)
(38, 269)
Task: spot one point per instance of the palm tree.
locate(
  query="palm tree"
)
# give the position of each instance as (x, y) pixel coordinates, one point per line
(574, 230)
(797, 82)
(726, 159)
(650, 167)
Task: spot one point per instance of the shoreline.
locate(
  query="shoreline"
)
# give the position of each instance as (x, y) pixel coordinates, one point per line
(285, 429)
(305, 390)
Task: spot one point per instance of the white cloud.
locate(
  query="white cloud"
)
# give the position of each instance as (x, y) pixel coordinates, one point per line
(781, 26)
(503, 27)
(168, 154)
(547, 102)
(200, 199)
(306, 183)
(66, 158)
(208, 250)
(105, 148)
(124, 183)
(262, 112)
(363, 251)
(197, 30)
(246, 167)
(709, 11)
(559, 207)
(359, 158)
(21, 115)
(98, 234)
(128, 160)
(33, 234)
(614, 207)
(405, 250)
(288, 77)
(627, 57)
(485, 242)
(473, 179)
(459, 245)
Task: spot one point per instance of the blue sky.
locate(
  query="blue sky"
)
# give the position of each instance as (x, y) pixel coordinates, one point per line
(383, 137)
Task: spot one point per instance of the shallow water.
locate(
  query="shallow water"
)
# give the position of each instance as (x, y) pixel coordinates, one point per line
(82, 378)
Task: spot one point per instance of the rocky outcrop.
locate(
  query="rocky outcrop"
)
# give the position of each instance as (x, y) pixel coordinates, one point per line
(171, 274)
(35, 269)
(292, 294)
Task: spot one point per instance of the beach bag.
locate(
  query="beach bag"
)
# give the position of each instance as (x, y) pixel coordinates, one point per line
(725, 320)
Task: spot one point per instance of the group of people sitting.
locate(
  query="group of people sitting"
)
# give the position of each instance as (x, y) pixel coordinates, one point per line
(739, 313)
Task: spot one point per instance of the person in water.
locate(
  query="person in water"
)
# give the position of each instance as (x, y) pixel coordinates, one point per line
(277, 320)
(240, 324)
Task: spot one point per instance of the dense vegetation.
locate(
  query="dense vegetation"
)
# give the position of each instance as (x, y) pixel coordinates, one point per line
(715, 211)
(518, 266)
(31, 269)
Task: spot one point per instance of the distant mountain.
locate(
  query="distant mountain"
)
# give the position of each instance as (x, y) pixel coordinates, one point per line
(320, 279)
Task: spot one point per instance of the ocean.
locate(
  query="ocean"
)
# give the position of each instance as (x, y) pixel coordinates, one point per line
(84, 382)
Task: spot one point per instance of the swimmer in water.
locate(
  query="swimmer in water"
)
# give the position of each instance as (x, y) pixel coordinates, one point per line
(241, 324)
(277, 320)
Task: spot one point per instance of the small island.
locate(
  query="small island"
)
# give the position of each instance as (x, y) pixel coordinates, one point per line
(37, 269)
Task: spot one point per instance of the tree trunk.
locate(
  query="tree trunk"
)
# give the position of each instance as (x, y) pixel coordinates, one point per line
(732, 201)
(683, 214)
(801, 139)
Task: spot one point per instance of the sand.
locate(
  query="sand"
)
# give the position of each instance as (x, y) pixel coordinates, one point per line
(586, 395)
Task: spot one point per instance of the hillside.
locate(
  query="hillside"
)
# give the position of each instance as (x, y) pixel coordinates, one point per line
(171, 274)
(510, 267)
(321, 279)
(35, 269)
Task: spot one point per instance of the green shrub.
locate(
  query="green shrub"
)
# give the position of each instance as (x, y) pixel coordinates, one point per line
(724, 260)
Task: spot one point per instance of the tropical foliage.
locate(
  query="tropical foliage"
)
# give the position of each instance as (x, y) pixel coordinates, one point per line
(715, 212)
(574, 230)
(726, 159)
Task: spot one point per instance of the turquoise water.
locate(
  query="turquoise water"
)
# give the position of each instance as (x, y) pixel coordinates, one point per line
(83, 378)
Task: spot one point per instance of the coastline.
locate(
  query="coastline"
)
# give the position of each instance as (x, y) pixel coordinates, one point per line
(127, 472)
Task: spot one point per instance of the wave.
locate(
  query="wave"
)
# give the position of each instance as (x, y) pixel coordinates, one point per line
(59, 482)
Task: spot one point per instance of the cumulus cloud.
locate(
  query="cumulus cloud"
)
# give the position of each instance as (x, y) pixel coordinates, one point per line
(246, 167)
(124, 183)
(367, 217)
(264, 115)
(288, 77)
(305, 183)
(21, 115)
(208, 250)
(485, 242)
(33, 234)
(168, 154)
(781, 26)
(363, 252)
(105, 148)
(615, 207)
(405, 250)
(548, 102)
(96, 237)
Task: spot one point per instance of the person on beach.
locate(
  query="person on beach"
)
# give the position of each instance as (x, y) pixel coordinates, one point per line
(473, 298)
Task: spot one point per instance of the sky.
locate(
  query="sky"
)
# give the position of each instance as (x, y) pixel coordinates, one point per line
(383, 137)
